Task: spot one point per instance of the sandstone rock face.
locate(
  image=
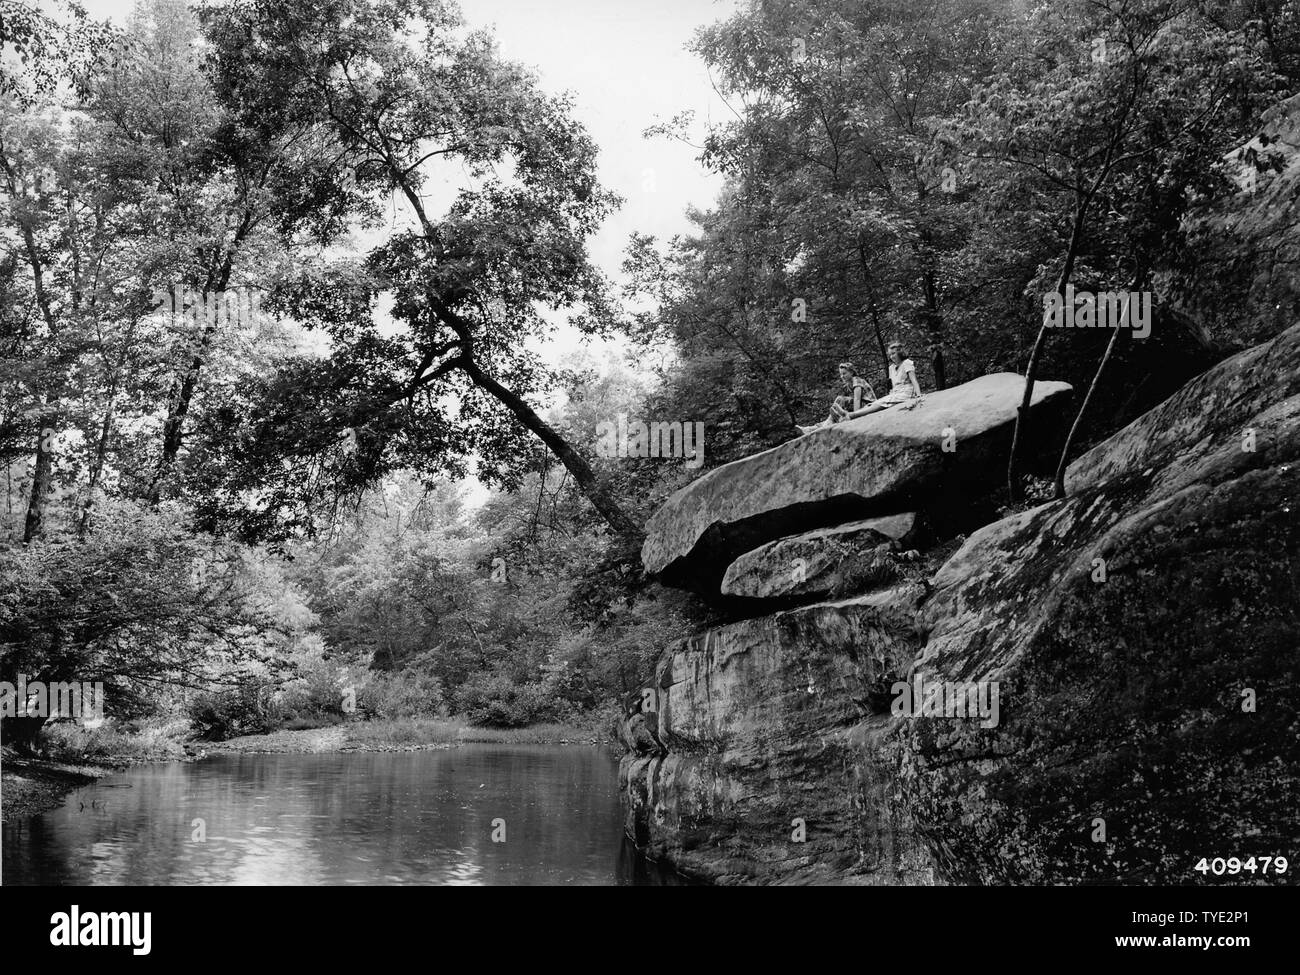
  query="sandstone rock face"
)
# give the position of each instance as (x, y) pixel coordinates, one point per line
(1246, 247)
(884, 463)
(765, 724)
(1204, 425)
(826, 562)
(1144, 637)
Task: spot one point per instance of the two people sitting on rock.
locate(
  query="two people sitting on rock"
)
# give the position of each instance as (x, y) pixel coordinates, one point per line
(905, 390)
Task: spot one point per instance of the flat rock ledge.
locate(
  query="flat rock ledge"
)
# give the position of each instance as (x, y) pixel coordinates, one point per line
(931, 459)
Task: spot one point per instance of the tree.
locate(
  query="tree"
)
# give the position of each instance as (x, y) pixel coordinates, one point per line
(53, 46)
(402, 89)
(138, 605)
(238, 196)
(838, 146)
(844, 221)
(1091, 93)
(115, 199)
(74, 231)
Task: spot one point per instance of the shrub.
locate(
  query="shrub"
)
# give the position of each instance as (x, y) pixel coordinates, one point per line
(495, 701)
(401, 694)
(217, 715)
(316, 691)
(152, 741)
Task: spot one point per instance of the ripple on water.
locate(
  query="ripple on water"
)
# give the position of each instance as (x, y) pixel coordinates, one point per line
(423, 817)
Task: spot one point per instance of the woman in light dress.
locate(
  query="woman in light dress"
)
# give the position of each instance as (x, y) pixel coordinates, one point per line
(904, 387)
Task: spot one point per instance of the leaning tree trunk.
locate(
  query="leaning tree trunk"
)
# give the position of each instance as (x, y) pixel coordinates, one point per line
(592, 487)
(1059, 481)
(1092, 388)
(1083, 200)
(1021, 434)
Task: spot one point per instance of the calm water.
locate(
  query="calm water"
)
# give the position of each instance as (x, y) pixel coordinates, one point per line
(362, 818)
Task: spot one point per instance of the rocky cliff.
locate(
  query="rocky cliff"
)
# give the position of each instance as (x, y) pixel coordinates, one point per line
(1102, 688)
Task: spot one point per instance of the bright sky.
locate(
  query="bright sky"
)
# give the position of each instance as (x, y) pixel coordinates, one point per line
(626, 63)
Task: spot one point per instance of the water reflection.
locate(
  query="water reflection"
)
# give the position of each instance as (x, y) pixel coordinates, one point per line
(363, 818)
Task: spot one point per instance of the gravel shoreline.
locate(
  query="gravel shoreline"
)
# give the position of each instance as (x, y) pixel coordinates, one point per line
(317, 741)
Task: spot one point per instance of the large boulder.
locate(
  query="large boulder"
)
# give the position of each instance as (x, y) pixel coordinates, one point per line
(756, 753)
(1207, 424)
(938, 459)
(1143, 635)
(835, 561)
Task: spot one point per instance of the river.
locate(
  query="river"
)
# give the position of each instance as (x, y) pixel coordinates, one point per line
(472, 815)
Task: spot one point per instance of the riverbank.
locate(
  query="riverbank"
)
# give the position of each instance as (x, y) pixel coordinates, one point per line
(36, 785)
(402, 735)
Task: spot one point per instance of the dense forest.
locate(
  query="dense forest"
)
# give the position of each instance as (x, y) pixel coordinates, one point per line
(243, 412)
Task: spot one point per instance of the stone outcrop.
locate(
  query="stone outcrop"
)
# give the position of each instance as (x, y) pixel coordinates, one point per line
(1204, 426)
(829, 561)
(754, 755)
(1244, 249)
(933, 459)
(1141, 635)
(1144, 636)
